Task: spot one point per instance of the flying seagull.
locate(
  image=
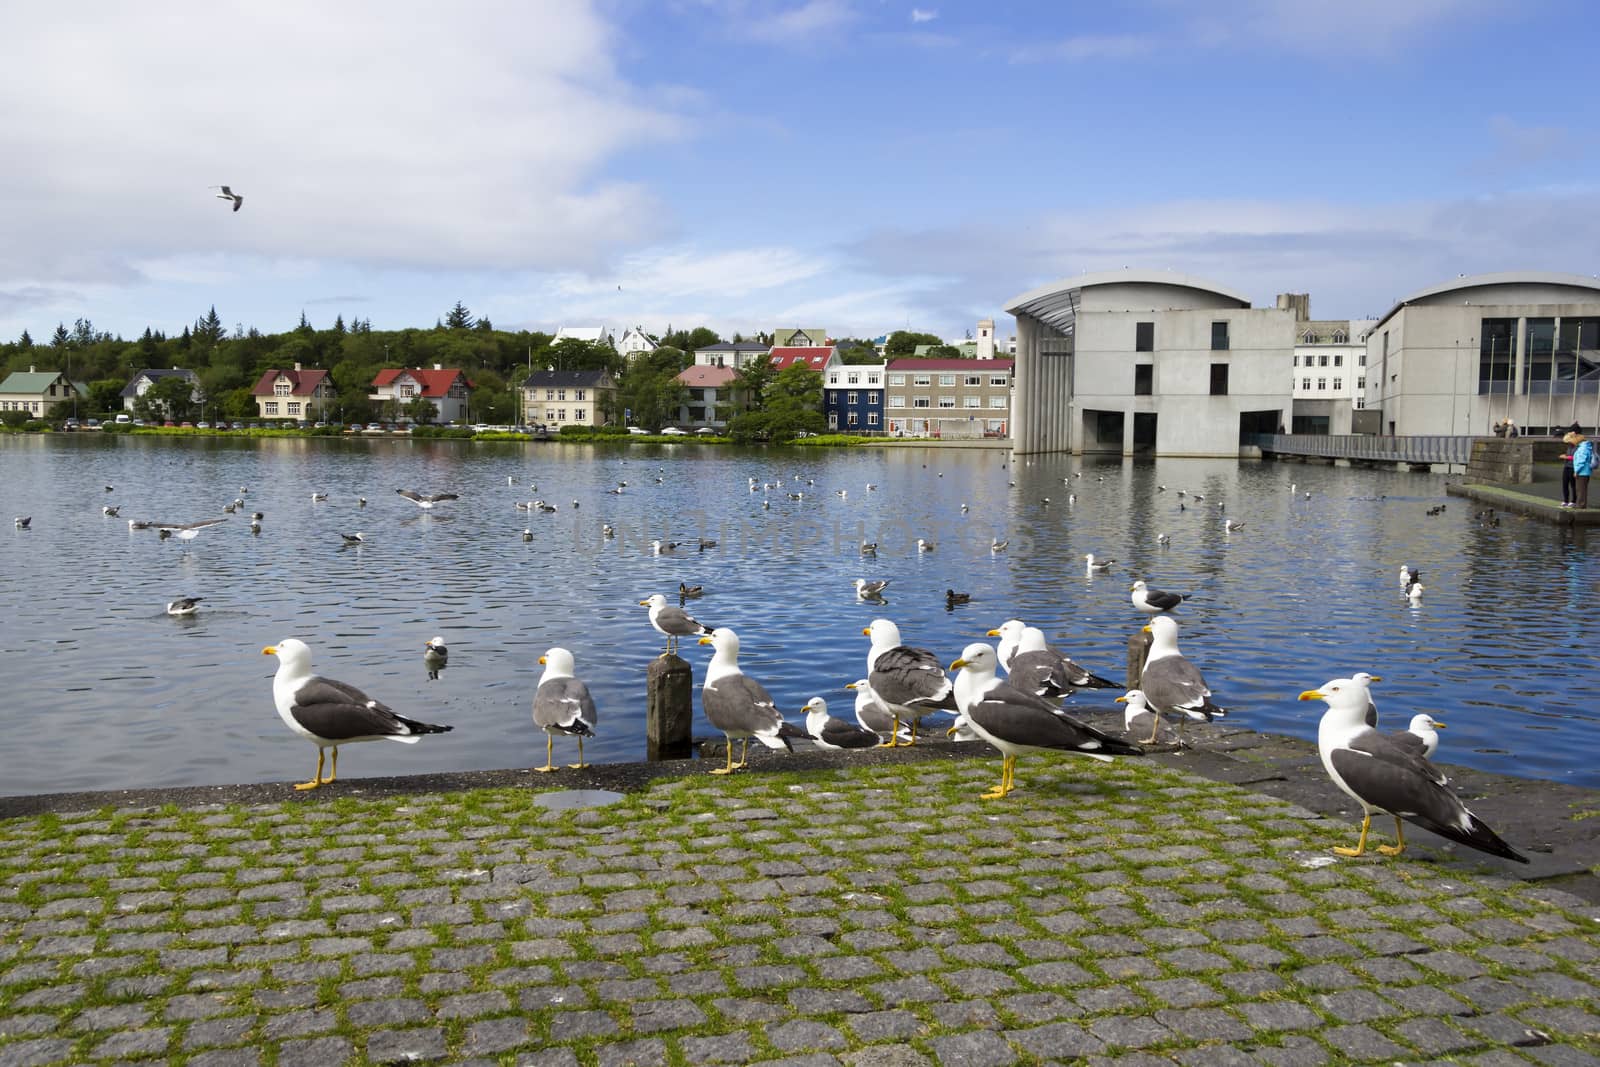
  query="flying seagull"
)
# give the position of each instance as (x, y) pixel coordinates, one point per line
(229, 194)
(425, 501)
(184, 531)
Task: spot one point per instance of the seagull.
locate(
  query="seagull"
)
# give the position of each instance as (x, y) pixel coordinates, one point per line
(1163, 539)
(671, 622)
(658, 547)
(1135, 712)
(426, 501)
(1382, 775)
(872, 590)
(1407, 576)
(329, 713)
(607, 530)
(924, 546)
(353, 539)
(829, 732)
(1425, 728)
(184, 531)
(435, 656)
(909, 682)
(1154, 601)
(997, 545)
(183, 605)
(1172, 684)
(1034, 667)
(1414, 593)
(23, 521)
(318, 497)
(562, 705)
(110, 511)
(527, 534)
(738, 705)
(873, 715)
(1095, 566)
(1231, 525)
(229, 194)
(1015, 722)
(111, 489)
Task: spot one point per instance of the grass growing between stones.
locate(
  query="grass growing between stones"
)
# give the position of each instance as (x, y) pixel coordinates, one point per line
(1099, 910)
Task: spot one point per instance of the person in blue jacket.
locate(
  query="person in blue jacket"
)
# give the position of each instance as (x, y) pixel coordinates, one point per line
(1582, 466)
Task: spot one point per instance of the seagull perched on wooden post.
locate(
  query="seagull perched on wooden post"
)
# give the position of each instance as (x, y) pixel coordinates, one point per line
(229, 194)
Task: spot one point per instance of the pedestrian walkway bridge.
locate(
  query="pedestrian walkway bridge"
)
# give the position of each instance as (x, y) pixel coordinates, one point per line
(1368, 448)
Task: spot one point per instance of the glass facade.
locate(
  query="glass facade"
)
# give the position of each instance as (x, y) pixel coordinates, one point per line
(1495, 355)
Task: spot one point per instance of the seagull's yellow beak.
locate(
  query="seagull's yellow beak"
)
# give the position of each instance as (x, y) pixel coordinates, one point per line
(849, 685)
(1375, 678)
(992, 633)
(958, 664)
(1312, 694)
(1437, 725)
(270, 650)
(705, 640)
(644, 603)
(867, 630)
(1146, 630)
(1121, 700)
(541, 659)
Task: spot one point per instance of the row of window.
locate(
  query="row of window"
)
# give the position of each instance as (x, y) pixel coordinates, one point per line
(1321, 359)
(1322, 384)
(1144, 337)
(270, 407)
(997, 402)
(852, 420)
(21, 405)
(560, 414)
(561, 394)
(854, 378)
(1000, 380)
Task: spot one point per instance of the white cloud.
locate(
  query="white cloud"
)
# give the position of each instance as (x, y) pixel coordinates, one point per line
(418, 136)
(778, 22)
(921, 15)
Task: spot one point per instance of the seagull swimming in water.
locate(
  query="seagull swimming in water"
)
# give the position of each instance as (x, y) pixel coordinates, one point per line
(229, 194)
(183, 605)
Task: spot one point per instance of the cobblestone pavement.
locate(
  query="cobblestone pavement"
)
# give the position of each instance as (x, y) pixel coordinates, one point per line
(879, 915)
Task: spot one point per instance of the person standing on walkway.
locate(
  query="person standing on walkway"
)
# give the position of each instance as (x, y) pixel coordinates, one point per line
(1582, 466)
(1569, 478)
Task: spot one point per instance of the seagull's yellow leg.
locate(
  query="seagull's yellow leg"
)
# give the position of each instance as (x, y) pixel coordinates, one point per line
(1005, 781)
(1155, 729)
(913, 733)
(316, 779)
(1399, 845)
(744, 753)
(1011, 773)
(580, 765)
(728, 767)
(1361, 845)
(334, 772)
(549, 751)
(894, 736)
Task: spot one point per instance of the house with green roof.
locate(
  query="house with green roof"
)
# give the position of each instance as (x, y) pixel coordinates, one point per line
(37, 391)
(798, 338)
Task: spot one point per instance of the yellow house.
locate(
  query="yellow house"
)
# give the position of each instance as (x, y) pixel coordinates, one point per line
(557, 398)
(293, 394)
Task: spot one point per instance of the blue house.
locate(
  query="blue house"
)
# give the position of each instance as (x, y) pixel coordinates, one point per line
(852, 397)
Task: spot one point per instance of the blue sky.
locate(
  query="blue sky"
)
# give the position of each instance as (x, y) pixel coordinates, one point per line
(855, 164)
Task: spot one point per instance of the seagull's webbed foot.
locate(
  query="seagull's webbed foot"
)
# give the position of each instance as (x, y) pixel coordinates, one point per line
(1361, 843)
(549, 753)
(316, 779)
(1399, 845)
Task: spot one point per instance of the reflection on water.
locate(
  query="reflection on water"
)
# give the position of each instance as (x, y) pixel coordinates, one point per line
(104, 690)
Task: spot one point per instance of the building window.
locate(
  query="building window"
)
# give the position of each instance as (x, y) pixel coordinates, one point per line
(851, 398)
(972, 379)
(922, 379)
(1338, 360)
(897, 379)
(969, 401)
(577, 414)
(408, 391)
(872, 418)
(1361, 402)
(854, 378)
(872, 378)
(1219, 343)
(269, 408)
(897, 401)
(850, 419)
(549, 414)
(947, 401)
(1144, 375)
(1361, 383)
(1296, 361)
(561, 414)
(561, 394)
(1144, 337)
(1305, 383)
(1361, 359)
(997, 402)
(281, 388)
(1340, 337)
(998, 379)
(1322, 361)
(294, 408)
(1219, 374)
(1322, 385)
(872, 397)
(947, 379)
(579, 394)
(549, 394)
(921, 402)
(1338, 383)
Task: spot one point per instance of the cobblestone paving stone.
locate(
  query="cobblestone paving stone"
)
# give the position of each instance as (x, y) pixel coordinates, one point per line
(1122, 914)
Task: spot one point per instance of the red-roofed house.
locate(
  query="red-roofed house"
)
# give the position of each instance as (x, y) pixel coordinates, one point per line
(948, 397)
(708, 388)
(446, 387)
(294, 394)
(817, 357)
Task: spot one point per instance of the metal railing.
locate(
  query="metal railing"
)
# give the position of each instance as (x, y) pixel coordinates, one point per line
(1376, 448)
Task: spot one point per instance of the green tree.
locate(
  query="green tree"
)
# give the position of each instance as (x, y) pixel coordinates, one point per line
(170, 398)
(208, 329)
(904, 343)
(753, 378)
(105, 395)
(459, 318)
(795, 387)
(24, 342)
(61, 339)
(943, 352)
(854, 350)
(421, 411)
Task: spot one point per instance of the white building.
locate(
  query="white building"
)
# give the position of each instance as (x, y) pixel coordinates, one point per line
(1147, 361)
(1330, 374)
(635, 342)
(584, 333)
(731, 354)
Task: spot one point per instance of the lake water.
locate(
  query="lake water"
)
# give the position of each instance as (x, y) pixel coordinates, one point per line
(104, 690)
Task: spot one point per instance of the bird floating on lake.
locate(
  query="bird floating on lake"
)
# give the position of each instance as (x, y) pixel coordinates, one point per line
(229, 194)
(872, 590)
(426, 501)
(353, 539)
(690, 592)
(110, 511)
(1098, 566)
(924, 546)
(952, 598)
(435, 656)
(997, 545)
(23, 521)
(184, 531)
(186, 605)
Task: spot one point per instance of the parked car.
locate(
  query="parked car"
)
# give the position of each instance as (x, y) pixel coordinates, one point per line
(638, 430)
(356, 427)
(91, 424)
(70, 424)
(201, 425)
(673, 431)
(706, 431)
(124, 418)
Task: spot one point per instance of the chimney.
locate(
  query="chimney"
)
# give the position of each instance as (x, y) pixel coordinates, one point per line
(297, 368)
(437, 367)
(30, 368)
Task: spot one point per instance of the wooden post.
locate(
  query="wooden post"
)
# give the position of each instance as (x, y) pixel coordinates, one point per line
(1138, 649)
(669, 708)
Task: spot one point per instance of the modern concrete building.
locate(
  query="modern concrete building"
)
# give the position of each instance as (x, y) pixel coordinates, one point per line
(852, 397)
(1147, 361)
(1457, 358)
(948, 398)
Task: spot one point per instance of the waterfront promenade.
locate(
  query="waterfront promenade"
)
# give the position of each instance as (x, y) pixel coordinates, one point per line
(822, 909)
